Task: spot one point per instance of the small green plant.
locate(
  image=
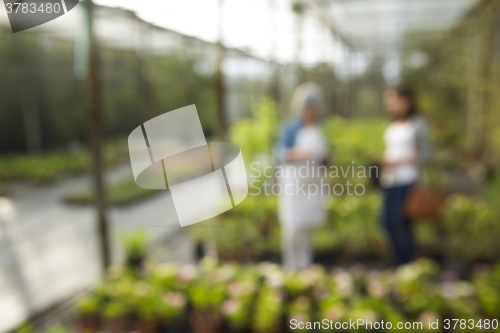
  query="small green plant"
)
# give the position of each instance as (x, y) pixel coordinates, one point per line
(87, 305)
(207, 296)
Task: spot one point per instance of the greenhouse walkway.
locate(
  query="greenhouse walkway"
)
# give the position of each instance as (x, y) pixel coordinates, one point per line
(48, 252)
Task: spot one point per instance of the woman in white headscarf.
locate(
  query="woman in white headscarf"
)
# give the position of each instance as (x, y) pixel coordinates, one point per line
(302, 147)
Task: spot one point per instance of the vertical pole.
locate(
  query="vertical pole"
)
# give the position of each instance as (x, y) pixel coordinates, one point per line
(32, 126)
(96, 135)
(220, 83)
(298, 8)
(147, 86)
(274, 87)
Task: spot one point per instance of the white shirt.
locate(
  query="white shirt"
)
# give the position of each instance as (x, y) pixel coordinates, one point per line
(400, 145)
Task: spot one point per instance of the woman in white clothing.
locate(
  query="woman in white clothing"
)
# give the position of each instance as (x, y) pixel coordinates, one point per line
(407, 149)
(302, 147)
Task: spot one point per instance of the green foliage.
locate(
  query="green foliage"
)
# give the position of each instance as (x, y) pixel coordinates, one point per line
(303, 283)
(358, 140)
(260, 297)
(472, 229)
(87, 305)
(256, 135)
(241, 294)
(487, 283)
(247, 226)
(268, 310)
(49, 167)
(206, 295)
(458, 86)
(173, 306)
(352, 225)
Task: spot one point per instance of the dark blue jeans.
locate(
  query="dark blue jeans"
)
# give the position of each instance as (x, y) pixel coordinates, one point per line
(396, 224)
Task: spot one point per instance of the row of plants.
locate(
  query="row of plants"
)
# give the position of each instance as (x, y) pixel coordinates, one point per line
(228, 297)
(467, 233)
(119, 193)
(51, 166)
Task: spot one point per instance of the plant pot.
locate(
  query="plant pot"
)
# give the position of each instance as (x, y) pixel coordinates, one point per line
(248, 253)
(148, 326)
(87, 323)
(136, 263)
(177, 326)
(226, 255)
(114, 325)
(205, 322)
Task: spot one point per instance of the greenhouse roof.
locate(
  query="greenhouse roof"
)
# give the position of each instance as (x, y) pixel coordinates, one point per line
(379, 26)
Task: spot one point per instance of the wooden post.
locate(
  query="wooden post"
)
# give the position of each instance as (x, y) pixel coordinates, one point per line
(220, 82)
(32, 126)
(274, 85)
(93, 86)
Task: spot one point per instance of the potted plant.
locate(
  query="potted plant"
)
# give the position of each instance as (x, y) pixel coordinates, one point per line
(172, 310)
(206, 298)
(237, 309)
(135, 245)
(303, 283)
(87, 314)
(115, 317)
(300, 310)
(165, 276)
(268, 311)
(147, 302)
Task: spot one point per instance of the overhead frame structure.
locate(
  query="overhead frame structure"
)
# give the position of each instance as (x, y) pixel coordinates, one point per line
(380, 27)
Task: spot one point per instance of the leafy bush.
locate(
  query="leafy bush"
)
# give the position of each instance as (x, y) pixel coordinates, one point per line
(472, 229)
(358, 140)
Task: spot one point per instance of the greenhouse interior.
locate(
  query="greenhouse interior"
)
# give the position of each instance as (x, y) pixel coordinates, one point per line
(355, 188)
